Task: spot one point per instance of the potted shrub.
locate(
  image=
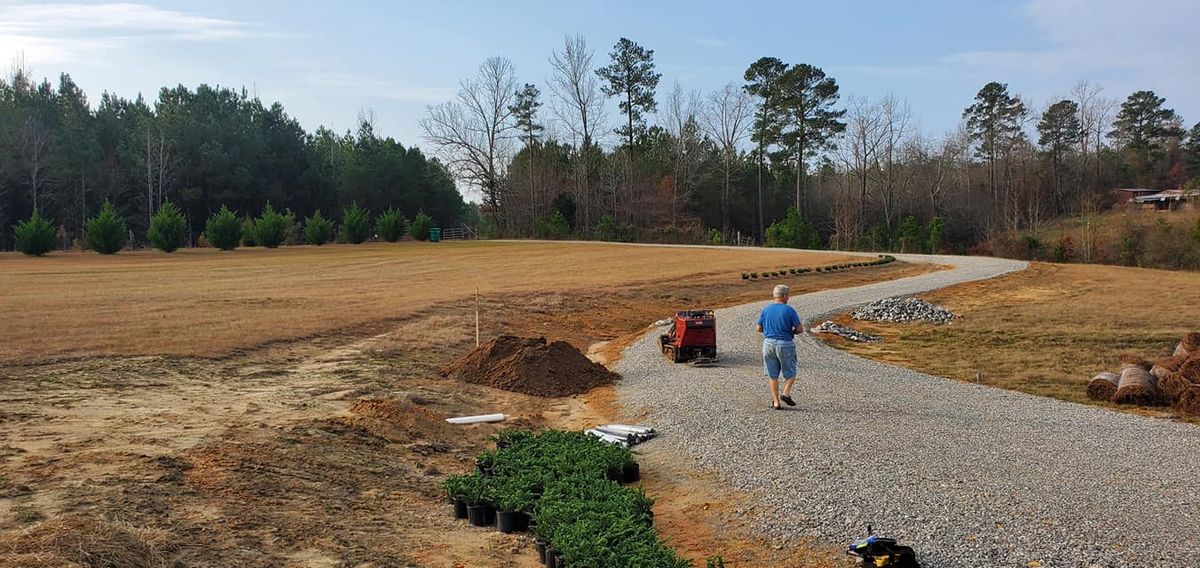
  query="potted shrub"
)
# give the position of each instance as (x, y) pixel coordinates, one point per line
(480, 496)
(485, 462)
(455, 486)
(514, 500)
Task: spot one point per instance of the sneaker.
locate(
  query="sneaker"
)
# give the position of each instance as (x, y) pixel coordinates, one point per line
(788, 399)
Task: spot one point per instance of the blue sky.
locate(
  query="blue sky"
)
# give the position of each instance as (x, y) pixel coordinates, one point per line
(325, 63)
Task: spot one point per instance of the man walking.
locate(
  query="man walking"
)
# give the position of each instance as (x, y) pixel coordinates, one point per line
(779, 323)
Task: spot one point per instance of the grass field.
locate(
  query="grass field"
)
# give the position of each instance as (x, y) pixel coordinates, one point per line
(1044, 331)
(209, 302)
(252, 454)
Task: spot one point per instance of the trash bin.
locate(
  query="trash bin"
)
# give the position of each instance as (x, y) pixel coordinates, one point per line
(435, 234)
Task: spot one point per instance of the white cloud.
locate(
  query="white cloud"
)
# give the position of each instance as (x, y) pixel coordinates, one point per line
(67, 33)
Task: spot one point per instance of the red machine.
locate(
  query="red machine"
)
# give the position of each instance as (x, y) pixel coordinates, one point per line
(693, 337)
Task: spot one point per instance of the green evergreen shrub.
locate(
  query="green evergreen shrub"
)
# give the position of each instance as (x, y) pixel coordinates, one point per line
(356, 225)
(168, 228)
(391, 225)
(419, 228)
(34, 236)
(106, 233)
(317, 229)
(223, 230)
(270, 229)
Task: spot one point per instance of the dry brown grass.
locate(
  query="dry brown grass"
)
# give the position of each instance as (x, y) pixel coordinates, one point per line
(1047, 330)
(208, 302)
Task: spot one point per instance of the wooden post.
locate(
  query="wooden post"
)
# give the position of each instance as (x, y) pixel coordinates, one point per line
(477, 316)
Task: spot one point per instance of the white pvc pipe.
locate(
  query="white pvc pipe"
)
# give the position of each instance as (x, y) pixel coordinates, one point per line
(629, 429)
(477, 419)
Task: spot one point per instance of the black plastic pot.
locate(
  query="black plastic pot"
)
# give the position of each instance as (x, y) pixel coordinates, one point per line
(541, 549)
(551, 557)
(512, 521)
(631, 472)
(481, 515)
(460, 509)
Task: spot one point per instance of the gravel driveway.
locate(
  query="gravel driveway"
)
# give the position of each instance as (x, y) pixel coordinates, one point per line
(968, 475)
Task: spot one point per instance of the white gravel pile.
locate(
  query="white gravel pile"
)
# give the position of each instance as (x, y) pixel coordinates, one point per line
(968, 475)
(903, 310)
(843, 331)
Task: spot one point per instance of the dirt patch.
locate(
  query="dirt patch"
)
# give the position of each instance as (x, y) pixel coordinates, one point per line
(531, 366)
(399, 420)
(76, 540)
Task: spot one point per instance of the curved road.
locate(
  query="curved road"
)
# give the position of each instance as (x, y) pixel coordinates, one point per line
(968, 475)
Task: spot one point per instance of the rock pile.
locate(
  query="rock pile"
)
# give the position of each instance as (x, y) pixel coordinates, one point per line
(848, 333)
(903, 310)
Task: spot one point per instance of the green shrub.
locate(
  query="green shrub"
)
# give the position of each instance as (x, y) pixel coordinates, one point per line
(793, 231)
(419, 228)
(356, 225)
(745, 276)
(715, 237)
(937, 235)
(317, 229)
(270, 229)
(391, 225)
(168, 228)
(911, 239)
(35, 236)
(223, 230)
(754, 275)
(249, 235)
(106, 233)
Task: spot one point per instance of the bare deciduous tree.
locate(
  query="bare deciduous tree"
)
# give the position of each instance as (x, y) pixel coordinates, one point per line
(471, 131)
(681, 115)
(859, 153)
(727, 120)
(579, 108)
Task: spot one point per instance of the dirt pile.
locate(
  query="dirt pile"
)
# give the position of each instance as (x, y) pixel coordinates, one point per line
(530, 366)
(1173, 380)
(83, 541)
(399, 420)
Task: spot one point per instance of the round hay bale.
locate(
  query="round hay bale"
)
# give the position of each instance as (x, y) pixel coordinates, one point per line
(1190, 344)
(1189, 401)
(1137, 386)
(1190, 370)
(1128, 361)
(1103, 386)
(1168, 365)
(1172, 385)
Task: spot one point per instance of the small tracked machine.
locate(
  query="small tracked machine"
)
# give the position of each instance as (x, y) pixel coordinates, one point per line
(692, 338)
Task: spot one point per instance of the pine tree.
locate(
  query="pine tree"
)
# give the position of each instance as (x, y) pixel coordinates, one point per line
(810, 122)
(223, 230)
(168, 228)
(106, 233)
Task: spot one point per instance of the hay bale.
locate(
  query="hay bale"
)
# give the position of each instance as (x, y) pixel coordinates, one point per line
(1131, 361)
(1190, 370)
(1137, 386)
(1172, 385)
(1103, 386)
(1190, 344)
(1168, 365)
(1189, 401)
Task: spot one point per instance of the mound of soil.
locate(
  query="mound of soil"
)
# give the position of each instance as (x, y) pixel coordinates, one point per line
(530, 366)
(83, 541)
(399, 420)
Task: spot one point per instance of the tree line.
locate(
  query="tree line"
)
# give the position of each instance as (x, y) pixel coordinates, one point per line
(199, 150)
(782, 146)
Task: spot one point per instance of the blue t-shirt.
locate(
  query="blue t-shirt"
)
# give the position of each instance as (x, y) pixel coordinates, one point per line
(778, 321)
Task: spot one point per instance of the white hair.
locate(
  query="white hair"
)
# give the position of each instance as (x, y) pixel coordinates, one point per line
(780, 291)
